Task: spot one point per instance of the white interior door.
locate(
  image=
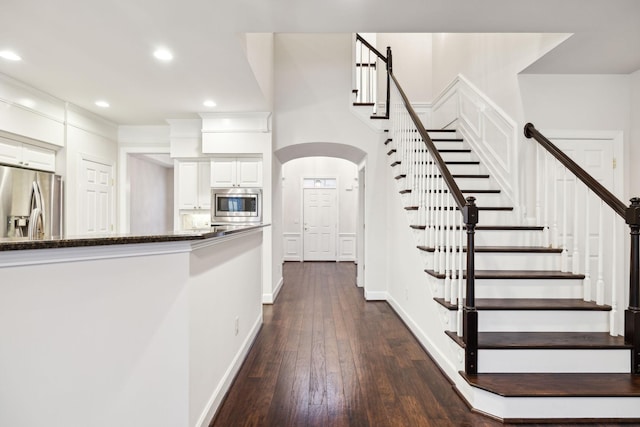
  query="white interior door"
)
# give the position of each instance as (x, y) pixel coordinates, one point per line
(596, 156)
(320, 216)
(96, 196)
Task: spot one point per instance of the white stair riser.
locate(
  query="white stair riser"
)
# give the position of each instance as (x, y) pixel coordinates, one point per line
(476, 183)
(494, 260)
(458, 157)
(573, 360)
(443, 135)
(508, 238)
(492, 238)
(482, 199)
(451, 145)
(543, 321)
(529, 288)
(516, 261)
(554, 407)
(496, 217)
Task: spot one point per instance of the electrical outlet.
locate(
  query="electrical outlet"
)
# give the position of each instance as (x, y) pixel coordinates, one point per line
(237, 325)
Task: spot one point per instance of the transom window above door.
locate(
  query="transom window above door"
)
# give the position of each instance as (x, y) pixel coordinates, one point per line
(320, 183)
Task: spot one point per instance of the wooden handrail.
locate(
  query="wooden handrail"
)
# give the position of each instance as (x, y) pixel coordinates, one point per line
(598, 189)
(444, 171)
(371, 48)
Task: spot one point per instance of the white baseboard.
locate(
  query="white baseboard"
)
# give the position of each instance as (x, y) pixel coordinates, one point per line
(375, 296)
(225, 383)
(271, 298)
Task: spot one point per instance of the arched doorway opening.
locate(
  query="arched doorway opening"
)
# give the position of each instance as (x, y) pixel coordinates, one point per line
(320, 203)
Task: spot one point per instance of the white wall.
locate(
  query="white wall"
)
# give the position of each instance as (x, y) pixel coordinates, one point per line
(412, 65)
(320, 167)
(313, 86)
(88, 136)
(490, 61)
(634, 135)
(151, 207)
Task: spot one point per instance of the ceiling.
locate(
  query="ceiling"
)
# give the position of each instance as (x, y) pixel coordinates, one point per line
(82, 51)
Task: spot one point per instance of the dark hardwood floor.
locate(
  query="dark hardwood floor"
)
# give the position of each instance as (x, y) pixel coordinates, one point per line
(325, 357)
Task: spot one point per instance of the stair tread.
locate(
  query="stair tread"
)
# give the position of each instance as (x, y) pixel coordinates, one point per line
(557, 384)
(393, 150)
(480, 208)
(388, 140)
(441, 130)
(363, 104)
(545, 340)
(515, 274)
(493, 227)
(530, 304)
(506, 249)
(463, 191)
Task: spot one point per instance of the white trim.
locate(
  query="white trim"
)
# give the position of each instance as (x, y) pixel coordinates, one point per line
(376, 295)
(89, 253)
(123, 221)
(225, 383)
(342, 239)
(271, 297)
(297, 239)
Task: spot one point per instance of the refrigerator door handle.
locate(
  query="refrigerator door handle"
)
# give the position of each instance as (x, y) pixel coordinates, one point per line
(35, 229)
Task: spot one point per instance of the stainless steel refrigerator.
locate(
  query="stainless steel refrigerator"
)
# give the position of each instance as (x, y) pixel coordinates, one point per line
(30, 203)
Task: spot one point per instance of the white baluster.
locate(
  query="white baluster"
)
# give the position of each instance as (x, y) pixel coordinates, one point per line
(565, 232)
(460, 277)
(587, 247)
(600, 282)
(436, 227)
(554, 230)
(432, 203)
(443, 186)
(614, 284)
(447, 250)
(546, 239)
(540, 180)
(362, 84)
(575, 257)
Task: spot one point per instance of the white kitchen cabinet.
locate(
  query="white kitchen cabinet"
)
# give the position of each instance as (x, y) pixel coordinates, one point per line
(236, 172)
(194, 191)
(26, 155)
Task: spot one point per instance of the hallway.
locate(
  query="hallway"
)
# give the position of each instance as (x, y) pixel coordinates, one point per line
(326, 357)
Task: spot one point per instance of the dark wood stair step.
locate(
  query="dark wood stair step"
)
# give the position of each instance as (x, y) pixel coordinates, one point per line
(515, 274)
(396, 163)
(480, 208)
(557, 384)
(447, 139)
(451, 162)
(393, 150)
(388, 140)
(363, 104)
(530, 304)
(452, 150)
(545, 341)
(375, 117)
(463, 191)
(492, 228)
(441, 130)
(504, 249)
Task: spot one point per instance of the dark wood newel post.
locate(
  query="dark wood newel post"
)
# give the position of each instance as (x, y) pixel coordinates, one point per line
(389, 71)
(632, 314)
(470, 314)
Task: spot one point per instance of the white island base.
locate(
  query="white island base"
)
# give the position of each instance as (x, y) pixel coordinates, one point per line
(137, 335)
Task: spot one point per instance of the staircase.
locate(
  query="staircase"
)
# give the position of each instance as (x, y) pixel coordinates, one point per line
(538, 338)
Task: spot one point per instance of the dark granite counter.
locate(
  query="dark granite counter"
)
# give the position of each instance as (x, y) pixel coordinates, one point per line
(23, 243)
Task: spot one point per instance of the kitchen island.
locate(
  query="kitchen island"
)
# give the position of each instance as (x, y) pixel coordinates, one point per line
(126, 330)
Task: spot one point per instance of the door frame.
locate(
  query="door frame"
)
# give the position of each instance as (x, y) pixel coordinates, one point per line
(616, 138)
(112, 197)
(123, 223)
(337, 240)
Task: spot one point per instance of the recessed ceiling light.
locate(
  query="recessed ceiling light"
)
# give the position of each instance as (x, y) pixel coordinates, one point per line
(103, 104)
(11, 56)
(163, 54)
(209, 103)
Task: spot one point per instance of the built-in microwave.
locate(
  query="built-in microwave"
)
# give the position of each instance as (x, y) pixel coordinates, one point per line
(236, 205)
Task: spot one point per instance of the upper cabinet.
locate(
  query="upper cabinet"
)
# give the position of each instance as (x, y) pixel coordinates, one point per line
(26, 155)
(193, 180)
(236, 172)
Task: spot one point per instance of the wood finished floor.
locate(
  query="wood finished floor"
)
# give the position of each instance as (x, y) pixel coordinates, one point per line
(325, 357)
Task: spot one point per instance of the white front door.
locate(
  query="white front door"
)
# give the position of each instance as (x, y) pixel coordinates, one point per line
(320, 224)
(96, 198)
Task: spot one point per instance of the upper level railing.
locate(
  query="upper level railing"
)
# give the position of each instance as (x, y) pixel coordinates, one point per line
(556, 172)
(368, 61)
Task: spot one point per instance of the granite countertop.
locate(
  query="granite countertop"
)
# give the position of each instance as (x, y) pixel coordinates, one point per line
(23, 243)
